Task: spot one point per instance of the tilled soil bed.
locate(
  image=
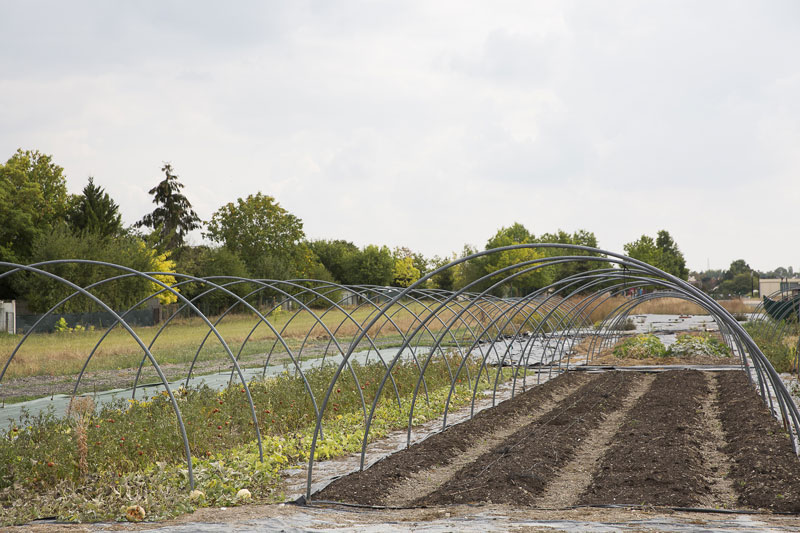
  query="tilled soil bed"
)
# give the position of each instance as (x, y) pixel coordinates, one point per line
(764, 468)
(674, 439)
(656, 453)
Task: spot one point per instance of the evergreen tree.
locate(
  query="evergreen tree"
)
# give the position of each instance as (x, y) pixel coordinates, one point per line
(94, 211)
(174, 216)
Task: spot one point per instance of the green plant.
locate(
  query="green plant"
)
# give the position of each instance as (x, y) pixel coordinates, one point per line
(691, 345)
(641, 347)
(61, 326)
(93, 463)
(777, 348)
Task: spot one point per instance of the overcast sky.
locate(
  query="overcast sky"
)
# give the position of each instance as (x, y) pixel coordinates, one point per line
(429, 124)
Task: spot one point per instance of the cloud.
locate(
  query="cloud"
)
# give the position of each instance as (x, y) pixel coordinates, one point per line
(428, 125)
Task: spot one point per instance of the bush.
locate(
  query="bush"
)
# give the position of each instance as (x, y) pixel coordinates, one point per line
(690, 345)
(641, 347)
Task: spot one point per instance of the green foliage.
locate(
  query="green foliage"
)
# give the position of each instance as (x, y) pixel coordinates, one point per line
(173, 217)
(692, 345)
(42, 292)
(581, 238)
(779, 349)
(405, 273)
(205, 261)
(645, 346)
(640, 347)
(134, 454)
(338, 257)
(738, 280)
(307, 265)
(94, 211)
(446, 279)
(259, 231)
(374, 266)
(33, 202)
(662, 253)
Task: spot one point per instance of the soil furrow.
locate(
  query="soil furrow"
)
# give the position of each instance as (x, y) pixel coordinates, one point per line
(386, 480)
(765, 470)
(656, 457)
(518, 470)
(427, 481)
(576, 475)
(717, 462)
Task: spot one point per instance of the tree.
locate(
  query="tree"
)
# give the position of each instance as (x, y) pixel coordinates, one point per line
(739, 279)
(374, 266)
(405, 273)
(205, 261)
(525, 283)
(42, 292)
(94, 211)
(662, 253)
(737, 267)
(261, 232)
(174, 217)
(579, 237)
(671, 257)
(446, 278)
(338, 257)
(33, 201)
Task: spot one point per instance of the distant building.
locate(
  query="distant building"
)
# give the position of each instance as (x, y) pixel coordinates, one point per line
(767, 286)
(8, 317)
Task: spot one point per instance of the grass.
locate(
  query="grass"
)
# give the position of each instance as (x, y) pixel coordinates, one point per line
(65, 353)
(666, 306)
(56, 354)
(93, 463)
(781, 350)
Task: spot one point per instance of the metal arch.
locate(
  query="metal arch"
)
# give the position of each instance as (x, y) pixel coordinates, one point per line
(480, 326)
(127, 327)
(149, 277)
(619, 259)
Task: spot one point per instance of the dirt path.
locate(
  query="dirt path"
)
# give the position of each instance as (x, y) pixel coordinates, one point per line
(519, 469)
(681, 438)
(576, 475)
(374, 485)
(656, 456)
(425, 482)
(717, 462)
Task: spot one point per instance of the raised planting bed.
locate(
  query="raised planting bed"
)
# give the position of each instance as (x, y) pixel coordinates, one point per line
(764, 469)
(656, 455)
(674, 439)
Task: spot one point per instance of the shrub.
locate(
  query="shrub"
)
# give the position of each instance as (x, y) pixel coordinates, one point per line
(641, 347)
(691, 345)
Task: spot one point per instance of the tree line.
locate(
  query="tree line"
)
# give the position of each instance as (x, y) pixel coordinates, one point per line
(252, 237)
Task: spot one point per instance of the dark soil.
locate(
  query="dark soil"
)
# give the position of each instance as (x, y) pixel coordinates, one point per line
(372, 485)
(656, 458)
(518, 470)
(765, 471)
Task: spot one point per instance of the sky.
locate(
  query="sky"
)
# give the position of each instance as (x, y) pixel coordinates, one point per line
(426, 124)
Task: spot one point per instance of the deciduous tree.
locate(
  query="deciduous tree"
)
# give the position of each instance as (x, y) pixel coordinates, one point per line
(261, 232)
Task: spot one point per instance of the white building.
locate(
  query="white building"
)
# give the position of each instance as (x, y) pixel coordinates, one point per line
(8, 316)
(767, 286)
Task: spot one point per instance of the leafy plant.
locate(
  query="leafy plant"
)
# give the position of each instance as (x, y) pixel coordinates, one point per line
(641, 347)
(691, 345)
(95, 463)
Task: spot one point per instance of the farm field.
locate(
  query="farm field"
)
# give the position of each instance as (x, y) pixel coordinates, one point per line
(685, 439)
